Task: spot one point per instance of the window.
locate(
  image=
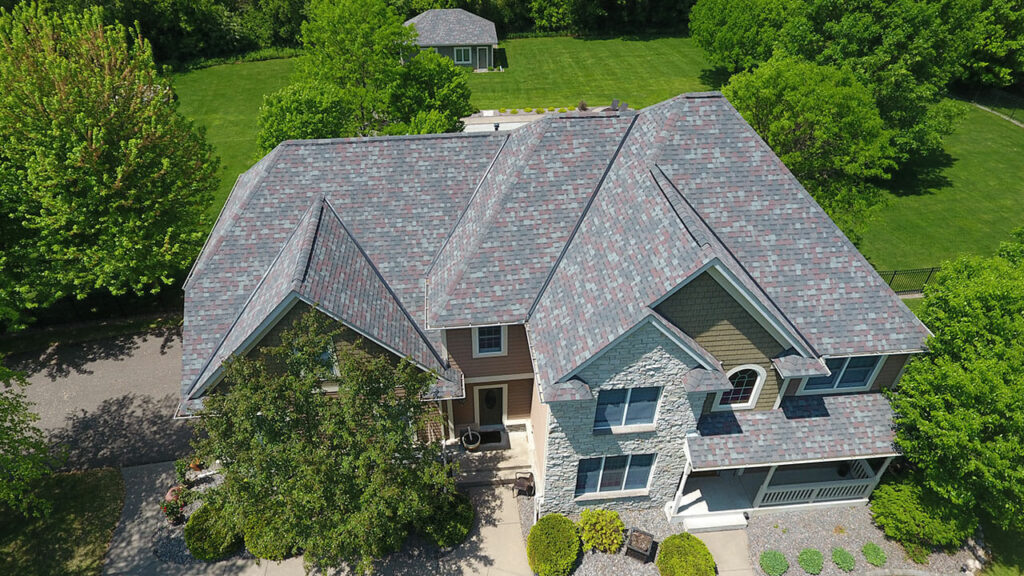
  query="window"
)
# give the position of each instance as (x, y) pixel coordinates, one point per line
(847, 374)
(463, 55)
(746, 385)
(627, 407)
(489, 341)
(614, 473)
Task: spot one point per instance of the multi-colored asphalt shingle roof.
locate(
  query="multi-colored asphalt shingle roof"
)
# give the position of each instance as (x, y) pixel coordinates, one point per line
(453, 27)
(803, 428)
(576, 225)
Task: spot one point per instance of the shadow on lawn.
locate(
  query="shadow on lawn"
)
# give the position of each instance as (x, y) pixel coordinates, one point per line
(128, 430)
(925, 176)
(715, 78)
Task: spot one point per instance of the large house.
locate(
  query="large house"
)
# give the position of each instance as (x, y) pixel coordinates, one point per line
(466, 38)
(650, 294)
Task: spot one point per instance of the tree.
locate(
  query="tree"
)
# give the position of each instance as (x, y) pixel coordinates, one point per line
(304, 111)
(343, 477)
(428, 82)
(997, 47)
(103, 184)
(24, 457)
(960, 408)
(824, 126)
(738, 36)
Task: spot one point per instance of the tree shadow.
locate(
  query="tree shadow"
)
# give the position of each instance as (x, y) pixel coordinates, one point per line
(923, 176)
(129, 430)
(715, 77)
(60, 360)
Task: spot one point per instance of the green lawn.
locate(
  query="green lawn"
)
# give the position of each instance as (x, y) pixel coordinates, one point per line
(970, 206)
(226, 99)
(1007, 552)
(74, 538)
(562, 71)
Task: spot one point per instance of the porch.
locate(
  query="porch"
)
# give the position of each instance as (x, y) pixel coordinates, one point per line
(724, 499)
(493, 463)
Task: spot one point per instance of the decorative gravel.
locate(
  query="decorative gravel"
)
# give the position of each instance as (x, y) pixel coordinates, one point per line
(849, 527)
(169, 541)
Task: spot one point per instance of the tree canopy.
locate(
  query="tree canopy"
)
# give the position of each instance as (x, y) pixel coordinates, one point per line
(824, 125)
(340, 476)
(24, 455)
(103, 184)
(960, 408)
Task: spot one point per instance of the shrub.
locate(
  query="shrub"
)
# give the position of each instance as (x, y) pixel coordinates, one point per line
(451, 521)
(181, 471)
(684, 555)
(582, 105)
(916, 552)
(514, 111)
(773, 563)
(209, 535)
(843, 559)
(502, 110)
(552, 546)
(562, 110)
(173, 510)
(551, 108)
(527, 109)
(914, 516)
(538, 110)
(601, 529)
(811, 560)
(263, 540)
(874, 554)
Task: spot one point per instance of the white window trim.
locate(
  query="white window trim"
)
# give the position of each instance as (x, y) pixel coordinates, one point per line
(801, 391)
(476, 343)
(630, 428)
(504, 405)
(455, 54)
(749, 404)
(617, 493)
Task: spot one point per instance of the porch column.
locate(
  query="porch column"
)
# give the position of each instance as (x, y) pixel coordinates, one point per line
(878, 475)
(682, 484)
(764, 486)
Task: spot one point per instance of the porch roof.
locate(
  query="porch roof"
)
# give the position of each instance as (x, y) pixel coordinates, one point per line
(802, 429)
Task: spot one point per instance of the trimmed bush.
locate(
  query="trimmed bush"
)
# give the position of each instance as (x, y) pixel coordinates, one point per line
(209, 535)
(502, 110)
(552, 546)
(262, 540)
(451, 521)
(874, 554)
(514, 111)
(774, 563)
(811, 560)
(916, 518)
(601, 529)
(684, 555)
(843, 559)
(562, 110)
(551, 108)
(527, 109)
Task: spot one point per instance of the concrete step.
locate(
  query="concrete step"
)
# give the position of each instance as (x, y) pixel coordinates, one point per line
(486, 477)
(715, 522)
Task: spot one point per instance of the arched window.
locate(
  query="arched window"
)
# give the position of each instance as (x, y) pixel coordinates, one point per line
(746, 385)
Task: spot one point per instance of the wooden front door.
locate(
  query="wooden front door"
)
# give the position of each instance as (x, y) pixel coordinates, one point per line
(490, 405)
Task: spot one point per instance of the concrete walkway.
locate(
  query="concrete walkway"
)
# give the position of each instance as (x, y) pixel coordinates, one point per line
(731, 551)
(494, 547)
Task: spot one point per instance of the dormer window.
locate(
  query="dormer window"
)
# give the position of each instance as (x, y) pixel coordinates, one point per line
(490, 341)
(746, 383)
(848, 375)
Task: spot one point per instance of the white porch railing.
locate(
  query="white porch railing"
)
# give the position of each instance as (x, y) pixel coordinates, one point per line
(817, 492)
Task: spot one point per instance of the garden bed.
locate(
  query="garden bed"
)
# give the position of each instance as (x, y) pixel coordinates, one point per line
(849, 527)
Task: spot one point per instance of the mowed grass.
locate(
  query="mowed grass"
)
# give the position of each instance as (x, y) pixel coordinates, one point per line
(562, 71)
(226, 100)
(74, 538)
(976, 199)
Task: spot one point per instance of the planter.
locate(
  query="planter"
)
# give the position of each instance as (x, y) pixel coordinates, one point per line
(639, 544)
(471, 440)
(173, 493)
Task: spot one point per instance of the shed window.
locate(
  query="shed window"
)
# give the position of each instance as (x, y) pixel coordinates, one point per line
(463, 55)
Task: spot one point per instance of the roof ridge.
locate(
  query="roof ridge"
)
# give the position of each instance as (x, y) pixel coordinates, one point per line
(398, 301)
(583, 215)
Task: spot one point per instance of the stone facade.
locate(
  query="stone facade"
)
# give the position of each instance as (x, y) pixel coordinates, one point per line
(646, 357)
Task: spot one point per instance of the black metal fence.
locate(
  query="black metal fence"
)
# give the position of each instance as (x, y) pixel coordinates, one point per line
(1009, 104)
(908, 281)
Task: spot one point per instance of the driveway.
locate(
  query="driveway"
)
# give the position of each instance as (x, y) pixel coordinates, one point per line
(109, 402)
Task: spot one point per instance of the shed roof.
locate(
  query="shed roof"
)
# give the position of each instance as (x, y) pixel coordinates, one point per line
(452, 27)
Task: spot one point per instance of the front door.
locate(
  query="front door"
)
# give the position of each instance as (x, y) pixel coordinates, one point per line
(490, 405)
(481, 58)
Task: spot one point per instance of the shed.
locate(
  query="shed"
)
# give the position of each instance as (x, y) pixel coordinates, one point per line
(466, 38)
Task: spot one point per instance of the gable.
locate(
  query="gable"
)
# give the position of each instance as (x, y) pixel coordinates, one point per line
(645, 357)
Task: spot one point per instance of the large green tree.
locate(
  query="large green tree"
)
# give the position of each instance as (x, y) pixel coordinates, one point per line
(997, 45)
(24, 457)
(960, 408)
(341, 477)
(824, 126)
(103, 184)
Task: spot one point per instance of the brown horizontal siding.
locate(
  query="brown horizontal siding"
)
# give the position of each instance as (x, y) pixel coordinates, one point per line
(890, 371)
(520, 396)
(516, 361)
(705, 311)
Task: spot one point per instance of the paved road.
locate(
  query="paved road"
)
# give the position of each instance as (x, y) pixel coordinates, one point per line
(110, 402)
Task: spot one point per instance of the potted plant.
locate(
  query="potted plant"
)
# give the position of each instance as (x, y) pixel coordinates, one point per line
(471, 439)
(173, 511)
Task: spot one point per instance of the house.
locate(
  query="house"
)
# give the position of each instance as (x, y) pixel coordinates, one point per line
(464, 37)
(650, 294)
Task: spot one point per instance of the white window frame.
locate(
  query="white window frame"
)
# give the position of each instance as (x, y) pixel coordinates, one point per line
(801, 391)
(624, 428)
(617, 493)
(762, 375)
(469, 51)
(476, 343)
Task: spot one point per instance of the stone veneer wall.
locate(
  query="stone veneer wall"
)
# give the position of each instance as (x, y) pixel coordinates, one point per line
(644, 358)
